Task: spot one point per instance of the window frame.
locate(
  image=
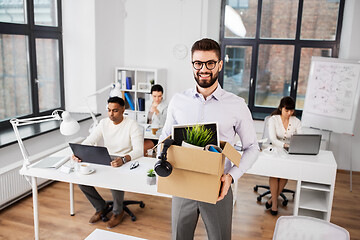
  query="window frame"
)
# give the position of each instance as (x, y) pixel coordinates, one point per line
(34, 32)
(261, 112)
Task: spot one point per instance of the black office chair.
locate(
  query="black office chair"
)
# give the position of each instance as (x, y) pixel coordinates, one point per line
(285, 200)
(104, 217)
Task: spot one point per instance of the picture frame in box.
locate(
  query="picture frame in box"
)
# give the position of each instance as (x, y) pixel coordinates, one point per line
(178, 132)
(144, 86)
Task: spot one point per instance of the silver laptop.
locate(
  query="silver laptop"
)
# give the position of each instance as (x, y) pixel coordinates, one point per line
(306, 144)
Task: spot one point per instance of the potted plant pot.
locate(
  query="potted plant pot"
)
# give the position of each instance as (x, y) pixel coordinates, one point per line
(151, 180)
(151, 177)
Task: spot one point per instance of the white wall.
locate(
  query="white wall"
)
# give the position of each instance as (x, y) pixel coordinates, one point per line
(109, 41)
(346, 147)
(153, 28)
(79, 52)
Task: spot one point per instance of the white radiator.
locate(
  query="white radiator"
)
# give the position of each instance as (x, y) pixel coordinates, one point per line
(14, 187)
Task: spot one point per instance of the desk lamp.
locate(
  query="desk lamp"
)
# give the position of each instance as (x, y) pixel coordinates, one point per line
(68, 127)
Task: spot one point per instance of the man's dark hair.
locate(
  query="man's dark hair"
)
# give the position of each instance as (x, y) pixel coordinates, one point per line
(117, 100)
(157, 88)
(206, 44)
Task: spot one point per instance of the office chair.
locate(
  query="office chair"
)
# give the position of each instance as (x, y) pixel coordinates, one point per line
(104, 217)
(303, 228)
(285, 200)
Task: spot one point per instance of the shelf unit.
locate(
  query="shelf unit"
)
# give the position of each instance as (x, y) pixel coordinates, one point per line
(137, 88)
(314, 200)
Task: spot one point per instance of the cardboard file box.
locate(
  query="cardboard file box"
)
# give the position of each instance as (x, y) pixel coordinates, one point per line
(196, 173)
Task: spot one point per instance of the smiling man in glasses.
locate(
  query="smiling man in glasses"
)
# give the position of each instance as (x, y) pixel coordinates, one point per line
(208, 102)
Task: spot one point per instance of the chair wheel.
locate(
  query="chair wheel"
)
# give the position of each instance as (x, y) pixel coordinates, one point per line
(259, 198)
(285, 203)
(255, 188)
(133, 218)
(142, 205)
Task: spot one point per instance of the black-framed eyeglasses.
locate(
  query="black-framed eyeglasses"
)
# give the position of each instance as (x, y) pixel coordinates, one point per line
(211, 64)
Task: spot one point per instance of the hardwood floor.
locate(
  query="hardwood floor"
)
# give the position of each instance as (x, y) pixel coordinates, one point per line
(250, 219)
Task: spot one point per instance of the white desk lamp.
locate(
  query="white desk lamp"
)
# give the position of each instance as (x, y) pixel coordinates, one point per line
(68, 127)
(115, 91)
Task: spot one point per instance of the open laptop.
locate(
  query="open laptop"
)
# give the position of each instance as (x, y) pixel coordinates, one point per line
(306, 144)
(92, 154)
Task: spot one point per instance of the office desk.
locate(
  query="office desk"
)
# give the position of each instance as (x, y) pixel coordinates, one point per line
(121, 178)
(99, 234)
(315, 176)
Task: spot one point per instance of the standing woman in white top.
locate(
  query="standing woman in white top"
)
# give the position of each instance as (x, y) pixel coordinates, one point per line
(282, 125)
(157, 113)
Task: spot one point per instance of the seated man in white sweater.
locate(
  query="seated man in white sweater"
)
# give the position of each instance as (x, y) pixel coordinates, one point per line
(122, 137)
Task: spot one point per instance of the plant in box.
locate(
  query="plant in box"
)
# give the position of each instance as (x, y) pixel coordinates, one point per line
(197, 136)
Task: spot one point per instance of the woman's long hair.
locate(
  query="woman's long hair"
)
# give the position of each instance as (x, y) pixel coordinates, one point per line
(287, 103)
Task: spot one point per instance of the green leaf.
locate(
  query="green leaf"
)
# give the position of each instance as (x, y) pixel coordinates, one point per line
(198, 135)
(151, 173)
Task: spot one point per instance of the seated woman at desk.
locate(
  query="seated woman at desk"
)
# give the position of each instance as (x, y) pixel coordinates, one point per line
(282, 125)
(156, 115)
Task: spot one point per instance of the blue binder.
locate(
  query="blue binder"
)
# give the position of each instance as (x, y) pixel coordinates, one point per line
(141, 104)
(128, 83)
(129, 100)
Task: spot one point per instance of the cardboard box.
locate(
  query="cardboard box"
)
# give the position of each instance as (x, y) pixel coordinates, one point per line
(196, 173)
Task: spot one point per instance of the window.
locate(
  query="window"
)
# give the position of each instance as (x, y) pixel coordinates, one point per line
(31, 74)
(267, 47)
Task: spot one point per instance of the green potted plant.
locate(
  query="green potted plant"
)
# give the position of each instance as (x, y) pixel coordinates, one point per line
(197, 136)
(151, 177)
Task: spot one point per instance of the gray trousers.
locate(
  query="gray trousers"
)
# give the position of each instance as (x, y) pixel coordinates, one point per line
(217, 218)
(99, 203)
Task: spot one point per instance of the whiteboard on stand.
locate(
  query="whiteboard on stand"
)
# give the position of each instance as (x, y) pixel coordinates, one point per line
(332, 95)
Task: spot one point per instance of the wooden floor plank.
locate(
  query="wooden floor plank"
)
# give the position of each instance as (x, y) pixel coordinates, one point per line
(250, 219)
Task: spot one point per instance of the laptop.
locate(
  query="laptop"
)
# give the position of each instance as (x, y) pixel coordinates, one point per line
(305, 144)
(92, 154)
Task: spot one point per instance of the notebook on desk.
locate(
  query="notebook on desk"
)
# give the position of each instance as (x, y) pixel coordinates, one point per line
(92, 154)
(306, 144)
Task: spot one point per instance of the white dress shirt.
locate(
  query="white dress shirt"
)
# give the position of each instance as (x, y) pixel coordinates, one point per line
(228, 110)
(121, 139)
(278, 134)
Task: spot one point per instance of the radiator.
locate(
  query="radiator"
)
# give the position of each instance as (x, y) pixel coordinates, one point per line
(14, 187)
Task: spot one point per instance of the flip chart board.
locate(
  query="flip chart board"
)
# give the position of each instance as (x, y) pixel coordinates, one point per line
(332, 95)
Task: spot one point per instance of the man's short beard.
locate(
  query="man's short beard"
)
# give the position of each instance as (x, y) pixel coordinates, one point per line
(205, 84)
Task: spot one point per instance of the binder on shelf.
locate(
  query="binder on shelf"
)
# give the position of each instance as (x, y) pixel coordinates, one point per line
(119, 73)
(141, 105)
(123, 77)
(128, 83)
(129, 100)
